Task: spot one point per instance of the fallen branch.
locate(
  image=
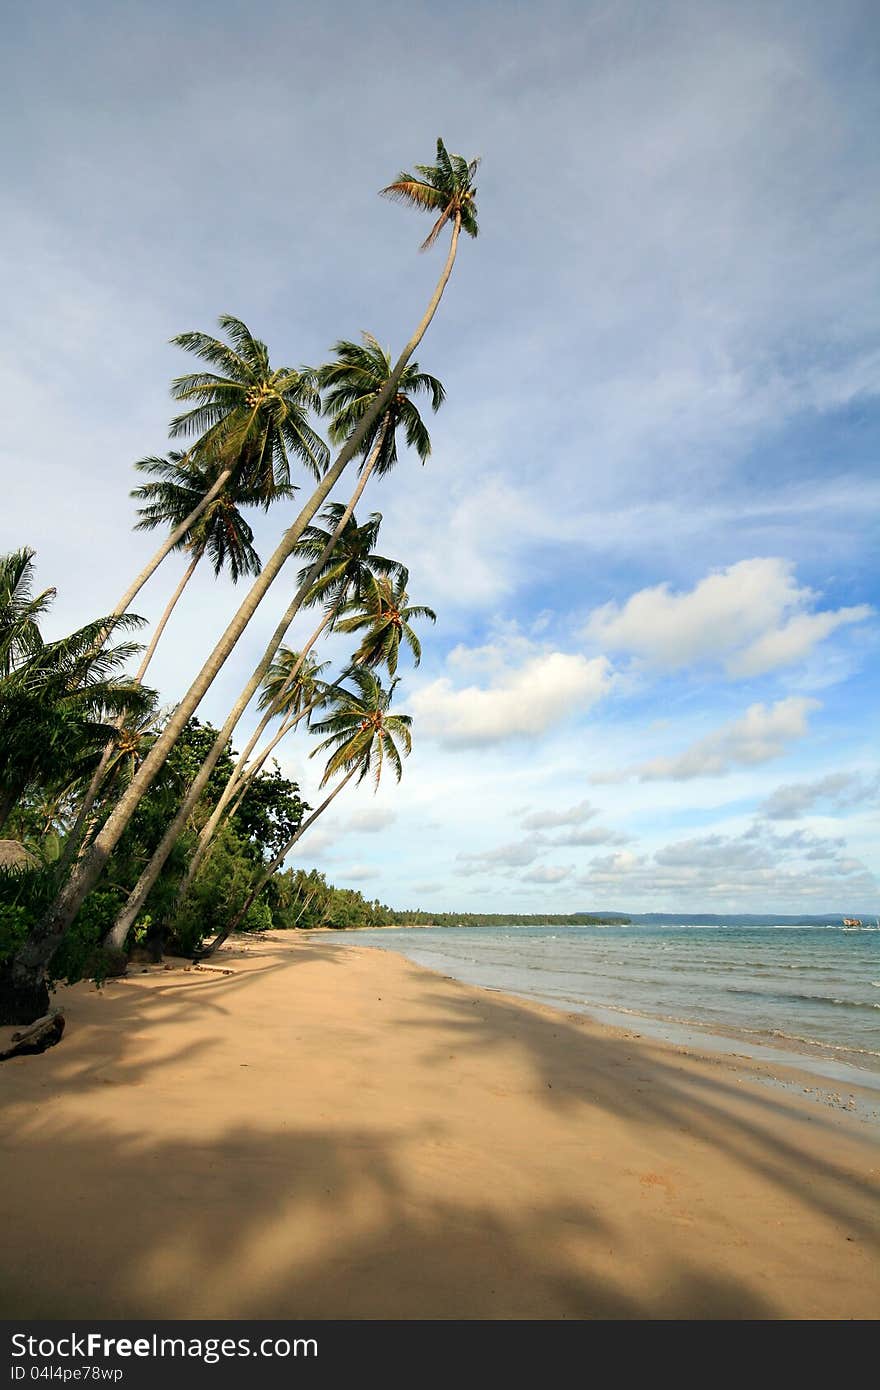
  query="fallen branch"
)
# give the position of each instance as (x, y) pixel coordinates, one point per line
(42, 1033)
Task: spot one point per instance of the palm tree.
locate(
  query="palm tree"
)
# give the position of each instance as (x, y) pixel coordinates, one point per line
(331, 575)
(352, 382)
(178, 491)
(343, 561)
(247, 413)
(248, 423)
(44, 939)
(446, 187)
(361, 737)
(220, 532)
(55, 697)
(20, 610)
(387, 615)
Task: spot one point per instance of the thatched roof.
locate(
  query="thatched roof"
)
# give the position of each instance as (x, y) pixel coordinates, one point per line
(13, 855)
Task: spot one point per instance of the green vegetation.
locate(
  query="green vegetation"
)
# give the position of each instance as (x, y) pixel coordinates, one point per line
(133, 827)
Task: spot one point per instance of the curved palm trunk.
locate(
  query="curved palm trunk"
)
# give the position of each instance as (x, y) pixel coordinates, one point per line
(239, 778)
(237, 774)
(33, 957)
(230, 800)
(304, 906)
(168, 545)
(138, 895)
(80, 829)
(163, 621)
(270, 869)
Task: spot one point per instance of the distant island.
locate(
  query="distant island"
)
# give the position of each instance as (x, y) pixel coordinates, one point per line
(495, 919)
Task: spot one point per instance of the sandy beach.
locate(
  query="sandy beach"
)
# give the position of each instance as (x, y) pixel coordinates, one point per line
(332, 1132)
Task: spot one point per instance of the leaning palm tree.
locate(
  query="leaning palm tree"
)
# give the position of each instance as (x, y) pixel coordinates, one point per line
(176, 493)
(56, 702)
(361, 738)
(352, 382)
(220, 532)
(452, 180)
(386, 615)
(249, 420)
(293, 689)
(446, 187)
(20, 609)
(338, 570)
(247, 413)
(342, 559)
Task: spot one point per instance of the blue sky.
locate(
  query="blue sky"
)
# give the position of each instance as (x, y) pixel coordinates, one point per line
(649, 524)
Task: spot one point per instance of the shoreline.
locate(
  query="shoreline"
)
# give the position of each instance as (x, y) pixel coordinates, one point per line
(336, 1132)
(808, 1056)
(776, 1066)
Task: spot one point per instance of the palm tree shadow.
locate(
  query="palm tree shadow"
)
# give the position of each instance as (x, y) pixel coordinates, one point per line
(317, 1224)
(709, 1105)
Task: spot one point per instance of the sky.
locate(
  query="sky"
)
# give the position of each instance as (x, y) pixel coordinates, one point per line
(649, 522)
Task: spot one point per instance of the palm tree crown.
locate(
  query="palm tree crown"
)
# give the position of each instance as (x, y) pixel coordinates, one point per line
(361, 734)
(221, 531)
(353, 381)
(281, 694)
(446, 187)
(19, 609)
(353, 563)
(248, 415)
(386, 614)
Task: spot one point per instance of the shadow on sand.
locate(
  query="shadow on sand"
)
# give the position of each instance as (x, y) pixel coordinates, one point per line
(282, 1216)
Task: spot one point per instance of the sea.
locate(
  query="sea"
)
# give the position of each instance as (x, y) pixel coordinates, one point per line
(808, 995)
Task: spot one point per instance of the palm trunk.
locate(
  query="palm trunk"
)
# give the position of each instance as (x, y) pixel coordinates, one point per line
(78, 835)
(44, 939)
(304, 906)
(233, 793)
(163, 621)
(238, 774)
(270, 869)
(169, 543)
(138, 895)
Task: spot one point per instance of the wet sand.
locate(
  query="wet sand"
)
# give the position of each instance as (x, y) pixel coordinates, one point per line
(330, 1131)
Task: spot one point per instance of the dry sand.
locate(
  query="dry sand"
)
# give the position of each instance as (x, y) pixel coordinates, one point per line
(333, 1132)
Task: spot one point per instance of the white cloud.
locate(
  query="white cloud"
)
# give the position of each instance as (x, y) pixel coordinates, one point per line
(750, 616)
(839, 790)
(520, 702)
(512, 856)
(762, 734)
(372, 820)
(547, 873)
(586, 836)
(755, 870)
(794, 641)
(546, 820)
(357, 873)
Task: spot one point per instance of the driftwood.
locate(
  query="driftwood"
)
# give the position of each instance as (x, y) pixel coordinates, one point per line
(42, 1033)
(214, 969)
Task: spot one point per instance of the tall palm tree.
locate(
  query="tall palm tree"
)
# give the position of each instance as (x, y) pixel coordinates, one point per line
(342, 560)
(31, 960)
(20, 609)
(247, 413)
(446, 187)
(352, 382)
(361, 737)
(55, 697)
(386, 614)
(178, 491)
(248, 424)
(339, 568)
(220, 532)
